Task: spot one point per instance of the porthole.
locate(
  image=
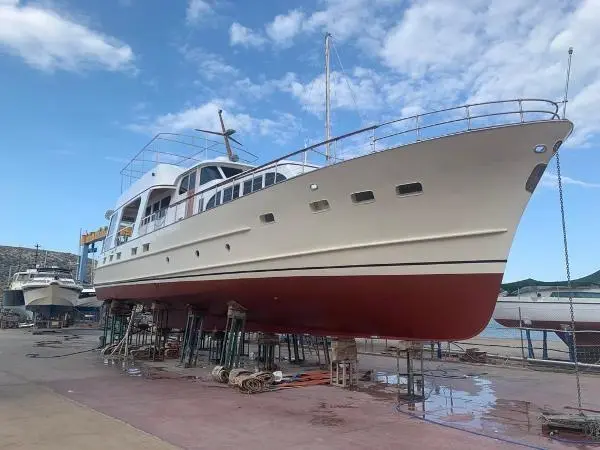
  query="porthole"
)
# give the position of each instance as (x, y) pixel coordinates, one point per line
(167, 259)
(319, 205)
(539, 149)
(314, 187)
(267, 218)
(409, 189)
(228, 247)
(197, 254)
(363, 197)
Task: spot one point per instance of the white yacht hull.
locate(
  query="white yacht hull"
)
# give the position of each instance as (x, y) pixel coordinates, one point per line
(551, 314)
(50, 295)
(424, 266)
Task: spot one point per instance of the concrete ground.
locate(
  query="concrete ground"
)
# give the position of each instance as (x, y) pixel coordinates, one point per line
(77, 400)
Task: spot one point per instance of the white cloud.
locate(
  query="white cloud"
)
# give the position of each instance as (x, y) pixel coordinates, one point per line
(210, 65)
(205, 116)
(497, 50)
(356, 92)
(196, 10)
(285, 27)
(240, 35)
(49, 41)
(550, 180)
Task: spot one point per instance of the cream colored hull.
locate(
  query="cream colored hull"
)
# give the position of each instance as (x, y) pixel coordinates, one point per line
(51, 295)
(463, 223)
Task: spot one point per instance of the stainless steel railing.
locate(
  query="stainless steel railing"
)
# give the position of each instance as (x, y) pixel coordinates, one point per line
(397, 132)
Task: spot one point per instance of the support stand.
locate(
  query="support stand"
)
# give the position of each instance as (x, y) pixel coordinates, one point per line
(160, 318)
(415, 380)
(191, 339)
(215, 346)
(529, 344)
(233, 343)
(545, 344)
(266, 351)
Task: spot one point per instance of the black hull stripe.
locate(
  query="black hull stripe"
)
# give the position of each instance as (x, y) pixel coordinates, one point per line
(284, 269)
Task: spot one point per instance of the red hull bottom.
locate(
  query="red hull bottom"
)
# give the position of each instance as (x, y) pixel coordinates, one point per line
(427, 307)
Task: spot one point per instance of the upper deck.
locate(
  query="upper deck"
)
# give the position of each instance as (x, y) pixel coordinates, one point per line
(176, 185)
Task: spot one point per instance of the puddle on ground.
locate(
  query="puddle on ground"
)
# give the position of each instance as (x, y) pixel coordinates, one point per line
(478, 410)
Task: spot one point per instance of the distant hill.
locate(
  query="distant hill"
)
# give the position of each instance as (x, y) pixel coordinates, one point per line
(13, 259)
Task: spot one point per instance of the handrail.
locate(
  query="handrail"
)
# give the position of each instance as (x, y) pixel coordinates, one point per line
(420, 125)
(274, 161)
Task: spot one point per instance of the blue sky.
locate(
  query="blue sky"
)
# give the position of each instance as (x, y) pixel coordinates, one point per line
(86, 84)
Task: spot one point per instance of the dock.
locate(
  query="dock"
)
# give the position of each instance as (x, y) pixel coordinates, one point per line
(59, 392)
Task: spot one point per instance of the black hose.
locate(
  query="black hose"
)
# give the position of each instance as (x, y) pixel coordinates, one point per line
(37, 355)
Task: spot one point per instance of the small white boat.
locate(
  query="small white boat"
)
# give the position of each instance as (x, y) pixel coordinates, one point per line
(50, 291)
(547, 307)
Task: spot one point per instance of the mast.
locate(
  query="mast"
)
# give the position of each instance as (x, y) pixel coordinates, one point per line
(225, 136)
(37, 248)
(327, 97)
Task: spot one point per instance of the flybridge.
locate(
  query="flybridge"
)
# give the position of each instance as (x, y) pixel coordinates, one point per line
(179, 184)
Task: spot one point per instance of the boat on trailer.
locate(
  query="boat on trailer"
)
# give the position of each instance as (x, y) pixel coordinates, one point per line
(400, 229)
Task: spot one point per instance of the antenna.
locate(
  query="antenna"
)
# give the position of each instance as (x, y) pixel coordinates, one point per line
(226, 134)
(567, 84)
(37, 248)
(327, 97)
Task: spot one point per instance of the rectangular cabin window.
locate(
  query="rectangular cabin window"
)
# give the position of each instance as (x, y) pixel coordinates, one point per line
(164, 203)
(230, 171)
(209, 173)
(200, 204)
(155, 207)
(148, 211)
(269, 179)
(146, 247)
(247, 187)
(119, 255)
(409, 189)
(183, 187)
(257, 184)
(236, 191)
(227, 194)
(133, 251)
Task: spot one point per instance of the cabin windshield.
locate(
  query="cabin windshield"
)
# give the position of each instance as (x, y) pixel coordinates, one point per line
(156, 209)
(575, 294)
(128, 218)
(209, 173)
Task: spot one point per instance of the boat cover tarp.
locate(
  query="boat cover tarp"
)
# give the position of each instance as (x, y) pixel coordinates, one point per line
(591, 279)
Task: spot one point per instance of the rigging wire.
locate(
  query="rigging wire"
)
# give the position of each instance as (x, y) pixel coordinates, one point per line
(565, 243)
(348, 82)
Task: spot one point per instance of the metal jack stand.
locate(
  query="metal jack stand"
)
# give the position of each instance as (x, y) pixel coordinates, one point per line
(295, 342)
(266, 351)
(191, 338)
(233, 343)
(160, 318)
(413, 349)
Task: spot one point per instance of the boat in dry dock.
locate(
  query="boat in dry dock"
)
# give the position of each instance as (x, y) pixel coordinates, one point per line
(542, 305)
(400, 229)
(50, 291)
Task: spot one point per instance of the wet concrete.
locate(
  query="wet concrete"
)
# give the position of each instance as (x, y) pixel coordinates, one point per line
(185, 408)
